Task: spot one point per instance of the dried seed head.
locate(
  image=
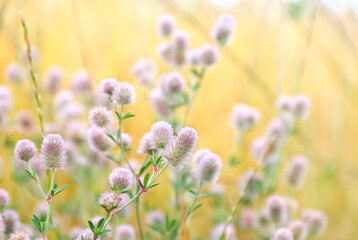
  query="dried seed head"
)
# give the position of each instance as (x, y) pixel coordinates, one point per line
(125, 232)
(53, 153)
(109, 200)
(121, 178)
(108, 85)
(124, 93)
(25, 150)
(53, 79)
(4, 198)
(296, 171)
(178, 151)
(223, 29)
(283, 234)
(100, 117)
(165, 25)
(209, 168)
(98, 140)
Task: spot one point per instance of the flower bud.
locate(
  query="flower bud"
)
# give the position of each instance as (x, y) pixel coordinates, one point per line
(25, 150)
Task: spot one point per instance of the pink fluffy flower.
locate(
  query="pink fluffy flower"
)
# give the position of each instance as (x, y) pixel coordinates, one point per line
(162, 134)
(86, 234)
(165, 25)
(25, 150)
(19, 235)
(146, 144)
(172, 83)
(223, 29)
(296, 171)
(179, 150)
(53, 79)
(159, 102)
(14, 73)
(298, 229)
(209, 55)
(209, 168)
(124, 93)
(244, 117)
(98, 140)
(108, 85)
(121, 178)
(53, 153)
(5, 99)
(125, 232)
(4, 198)
(109, 200)
(277, 209)
(283, 234)
(80, 81)
(100, 117)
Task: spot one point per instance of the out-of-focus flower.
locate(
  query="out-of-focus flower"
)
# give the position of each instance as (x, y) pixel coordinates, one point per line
(144, 71)
(223, 29)
(277, 209)
(100, 117)
(284, 103)
(25, 150)
(217, 231)
(296, 171)
(244, 117)
(53, 154)
(124, 93)
(283, 234)
(301, 106)
(164, 51)
(146, 144)
(172, 83)
(165, 25)
(108, 85)
(179, 150)
(19, 235)
(155, 218)
(209, 55)
(63, 98)
(180, 45)
(199, 155)
(98, 140)
(12, 222)
(14, 73)
(193, 57)
(316, 222)
(34, 54)
(80, 81)
(209, 168)
(53, 79)
(109, 200)
(253, 189)
(159, 103)
(126, 140)
(86, 234)
(298, 229)
(4, 198)
(248, 219)
(25, 120)
(5, 99)
(162, 134)
(125, 232)
(121, 178)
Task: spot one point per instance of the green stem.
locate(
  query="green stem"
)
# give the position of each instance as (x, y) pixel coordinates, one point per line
(137, 205)
(49, 207)
(37, 181)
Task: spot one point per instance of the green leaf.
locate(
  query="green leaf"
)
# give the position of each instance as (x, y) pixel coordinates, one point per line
(196, 207)
(90, 224)
(61, 189)
(28, 173)
(118, 133)
(111, 157)
(104, 231)
(36, 222)
(111, 137)
(153, 185)
(128, 115)
(146, 178)
(100, 224)
(50, 228)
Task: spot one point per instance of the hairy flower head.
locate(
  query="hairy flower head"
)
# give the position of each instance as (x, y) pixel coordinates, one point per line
(53, 154)
(25, 150)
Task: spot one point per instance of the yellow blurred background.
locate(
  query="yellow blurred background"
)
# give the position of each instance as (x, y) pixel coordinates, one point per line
(273, 51)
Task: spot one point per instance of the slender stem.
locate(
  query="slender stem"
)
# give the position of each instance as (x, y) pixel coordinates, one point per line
(37, 180)
(159, 173)
(32, 74)
(49, 206)
(137, 207)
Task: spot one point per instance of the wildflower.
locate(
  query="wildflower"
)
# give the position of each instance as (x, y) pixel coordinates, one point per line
(14, 73)
(100, 117)
(296, 171)
(95, 221)
(125, 232)
(80, 81)
(285, 103)
(283, 234)
(193, 57)
(162, 134)
(19, 235)
(4, 199)
(108, 85)
(12, 222)
(124, 93)
(98, 140)
(159, 103)
(25, 120)
(209, 168)
(301, 106)
(209, 55)
(223, 29)
(316, 222)
(164, 51)
(155, 218)
(144, 71)
(5, 99)
(146, 144)
(199, 155)
(53, 79)
(172, 83)
(126, 140)
(165, 25)
(109, 200)
(244, 117)
(53, 154)
(248, 219)
(121, 178)
(179, 150)
(277, 209)
(218, 229)
(86, 234)
(25, 150)
(63, 98)
(298, 229)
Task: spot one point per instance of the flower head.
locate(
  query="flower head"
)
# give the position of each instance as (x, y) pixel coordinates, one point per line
(301, 106)
(248, 219)
(100, 117)
(209, 55)
(244, 117)
(159, 102)
(25, 150)
(124, 93)
(121, 178)
(200, 155)
(109, 200)
(164, 51)
(144, 70)
(162, 134)
(146, 144)
(86, 234)
(125, 232)
(14, 73)
(12, 222)
(209, 168)
(277, 209)
(155, 218)
(165, 25)
(298, 229)
(53, 79)
(178, 151)
(108, 85)
(218, 229)
(5, 99)
(223, 29)
(296, 171)
(19, 235)
(126, 140)
(283, 234)
(98, 140)
(172, 83)
(316, 222)
(53, 153)
(80, 81)
(4, 198)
